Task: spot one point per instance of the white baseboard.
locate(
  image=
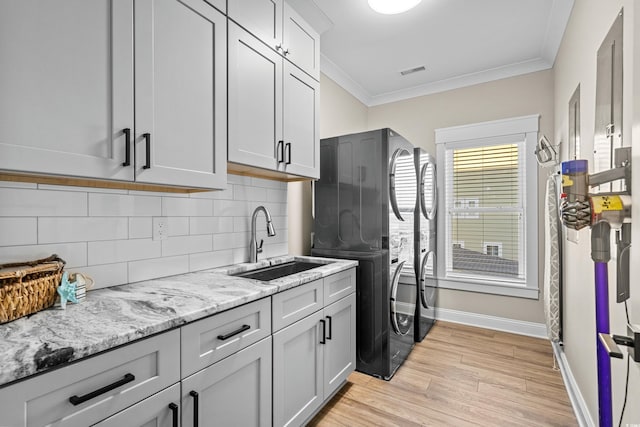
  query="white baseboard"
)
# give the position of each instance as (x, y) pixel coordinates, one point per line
(520, 327)
(577, 401)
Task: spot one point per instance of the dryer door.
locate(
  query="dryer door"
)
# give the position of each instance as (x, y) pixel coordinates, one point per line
(401, 323)
(428, 188)
(402, 183)
(427, 280)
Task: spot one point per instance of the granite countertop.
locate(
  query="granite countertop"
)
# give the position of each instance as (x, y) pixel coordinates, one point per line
(114, 316)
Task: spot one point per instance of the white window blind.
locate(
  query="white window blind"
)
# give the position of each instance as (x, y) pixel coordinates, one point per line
(485, 187)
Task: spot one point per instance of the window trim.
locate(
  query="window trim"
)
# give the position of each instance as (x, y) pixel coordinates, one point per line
(460, 136)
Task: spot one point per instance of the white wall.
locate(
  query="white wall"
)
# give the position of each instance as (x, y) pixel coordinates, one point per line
(576, 64)
(108, 234)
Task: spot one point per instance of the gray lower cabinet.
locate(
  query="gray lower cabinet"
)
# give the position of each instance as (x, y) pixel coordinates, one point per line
(160, 410)
(235, 391)
(313, 357)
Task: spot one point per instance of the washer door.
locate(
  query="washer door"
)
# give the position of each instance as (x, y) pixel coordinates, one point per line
(428, 272)
(402, 183)
(400, 323)
(428, 189)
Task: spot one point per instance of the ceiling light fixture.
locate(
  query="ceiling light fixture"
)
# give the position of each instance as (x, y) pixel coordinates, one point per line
(391, 7)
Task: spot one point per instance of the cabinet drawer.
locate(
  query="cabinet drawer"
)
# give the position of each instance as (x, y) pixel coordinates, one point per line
(297, 303)
(339, 285)
(45, 400)
(206, 341)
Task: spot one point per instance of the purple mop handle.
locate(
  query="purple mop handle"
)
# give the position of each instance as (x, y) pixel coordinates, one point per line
(604, 362)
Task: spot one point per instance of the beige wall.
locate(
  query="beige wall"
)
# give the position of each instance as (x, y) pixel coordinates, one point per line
(417, 118)
(340, 113)
(576, 64)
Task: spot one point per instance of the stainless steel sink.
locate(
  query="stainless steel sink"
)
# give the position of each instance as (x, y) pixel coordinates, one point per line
(277, 271)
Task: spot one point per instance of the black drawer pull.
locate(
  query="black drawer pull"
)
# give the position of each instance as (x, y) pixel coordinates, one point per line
(329, 336)
(127, 144)
(234, 333)
(147, 138)
(324, 332)
(196, 399)
(174, 415)
(76, 400)
(288, 162)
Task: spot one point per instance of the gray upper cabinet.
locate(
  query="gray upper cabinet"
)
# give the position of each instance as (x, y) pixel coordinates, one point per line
(67, 87)
(255, 101)
(180, 87)
(282, 29)
(71, 71)
(301, 43)
(273, 109)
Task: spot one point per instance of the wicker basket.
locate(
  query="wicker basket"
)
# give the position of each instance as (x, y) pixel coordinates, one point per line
(28, 287)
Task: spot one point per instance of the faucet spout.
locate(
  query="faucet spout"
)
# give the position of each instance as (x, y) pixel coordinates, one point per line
(254, 249)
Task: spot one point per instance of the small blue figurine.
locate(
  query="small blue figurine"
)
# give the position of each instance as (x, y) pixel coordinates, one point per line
(67, 291)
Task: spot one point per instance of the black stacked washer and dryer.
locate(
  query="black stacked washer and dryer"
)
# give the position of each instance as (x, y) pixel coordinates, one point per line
(365, 202)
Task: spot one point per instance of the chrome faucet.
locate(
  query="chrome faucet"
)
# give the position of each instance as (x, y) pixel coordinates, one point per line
(254, 249)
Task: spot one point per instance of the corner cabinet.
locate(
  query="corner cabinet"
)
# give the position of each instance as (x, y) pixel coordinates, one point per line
(273, 108)
(163, 61)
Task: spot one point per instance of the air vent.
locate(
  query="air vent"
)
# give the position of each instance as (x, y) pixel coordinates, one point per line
(413, 70)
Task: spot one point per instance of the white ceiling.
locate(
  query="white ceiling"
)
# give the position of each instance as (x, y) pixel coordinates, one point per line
(460, 42)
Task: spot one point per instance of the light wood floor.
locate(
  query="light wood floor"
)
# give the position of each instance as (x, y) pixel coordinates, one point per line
(458, 376)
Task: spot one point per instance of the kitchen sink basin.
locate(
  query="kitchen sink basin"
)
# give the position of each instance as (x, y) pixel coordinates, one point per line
(277, 271)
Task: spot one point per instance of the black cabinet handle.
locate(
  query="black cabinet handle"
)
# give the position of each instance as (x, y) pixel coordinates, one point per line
(324, 331)
(329, 336)
(147, 138)
(76, 400)
(240, 330)
(174, 415)
(288, 162)
(127, 145)
(280, 152)
(196, 398)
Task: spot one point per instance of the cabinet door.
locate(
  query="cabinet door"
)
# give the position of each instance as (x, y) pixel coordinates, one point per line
(340, 351)
(301, 43)
(181, 97)
(297, 371)
(159, 410)
(66, 85)
(262, 18)
(233, 392)
(301, 135)
(255, 101)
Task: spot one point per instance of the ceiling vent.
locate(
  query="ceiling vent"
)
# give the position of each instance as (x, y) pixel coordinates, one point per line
(412, 70)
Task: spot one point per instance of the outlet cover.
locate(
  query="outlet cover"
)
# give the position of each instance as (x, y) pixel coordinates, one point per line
(160, 228)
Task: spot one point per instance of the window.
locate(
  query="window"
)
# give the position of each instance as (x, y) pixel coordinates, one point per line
(488, 172)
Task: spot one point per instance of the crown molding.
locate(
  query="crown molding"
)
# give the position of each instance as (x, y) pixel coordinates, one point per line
(558, 19)
(335, 73)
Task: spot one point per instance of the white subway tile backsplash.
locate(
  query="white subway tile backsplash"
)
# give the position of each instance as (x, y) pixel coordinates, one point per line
(30, 202)
(112, 251)
(206, 260)
(276, 196)
(140, 228)
(106, 275)
(60, 230)
(108, 234)
(182, 245)
(172, 206)
(18, 231)
(75, 254)
(178, 225)
(211, 225)
(123, 205)
(234, 208)
(267, 183)
(255, 194)
(158, 267)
